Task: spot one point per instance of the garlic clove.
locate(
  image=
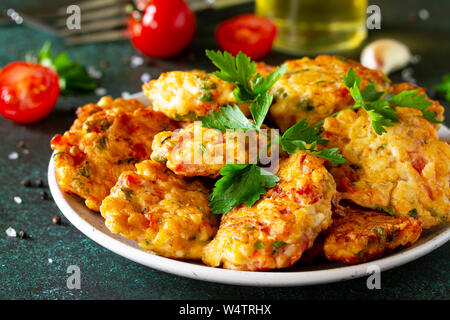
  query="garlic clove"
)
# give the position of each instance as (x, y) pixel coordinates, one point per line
(386, 55)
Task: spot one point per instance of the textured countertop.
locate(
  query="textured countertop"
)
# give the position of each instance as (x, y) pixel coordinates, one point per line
(35, 268)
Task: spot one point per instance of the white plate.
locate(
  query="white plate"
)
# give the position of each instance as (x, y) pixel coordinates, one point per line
(92, 225)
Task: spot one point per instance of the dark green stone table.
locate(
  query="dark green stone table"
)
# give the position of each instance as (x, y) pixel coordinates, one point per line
(25, 270)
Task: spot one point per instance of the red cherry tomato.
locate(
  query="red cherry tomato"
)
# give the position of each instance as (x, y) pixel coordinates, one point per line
(163, 29)
(28, 91)
(249, 33)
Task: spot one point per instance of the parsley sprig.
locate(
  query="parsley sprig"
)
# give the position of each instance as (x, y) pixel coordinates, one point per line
(73, 76)
(381, 105)
(245, 183)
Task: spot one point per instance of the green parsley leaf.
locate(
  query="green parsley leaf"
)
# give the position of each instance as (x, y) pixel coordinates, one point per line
(382, 112)
(410, 99)
(240, 184)
(444, 86)
(242, 72)
(239, 70)
(260, 108)
(259, 84)
(329, 154)
(300, 135)
(229, 118)
(73, 77)
(370, 93)
(382, 115)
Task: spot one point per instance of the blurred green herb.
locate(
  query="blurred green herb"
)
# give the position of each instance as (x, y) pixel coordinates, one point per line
(444, 87)
(73, 76)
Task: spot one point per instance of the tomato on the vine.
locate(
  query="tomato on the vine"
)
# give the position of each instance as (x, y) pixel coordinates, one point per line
(249, 33)
(28, 91)
(161, 28)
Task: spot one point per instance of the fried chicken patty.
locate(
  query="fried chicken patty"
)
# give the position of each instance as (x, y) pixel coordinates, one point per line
(405, 171)
(163, 212)
(362, 235)
(107, 138)
(276, 230)
(198, 151)
(314, 89)
(184, 95)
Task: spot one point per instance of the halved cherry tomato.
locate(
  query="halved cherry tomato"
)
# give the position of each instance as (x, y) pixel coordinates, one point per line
(161, 28)
(28, 91)
(249, 33)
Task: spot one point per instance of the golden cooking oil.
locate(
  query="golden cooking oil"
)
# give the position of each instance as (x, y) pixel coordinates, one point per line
(311, 26)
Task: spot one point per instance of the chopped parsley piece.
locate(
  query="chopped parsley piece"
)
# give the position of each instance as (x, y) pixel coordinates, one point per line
(259, 244)
(380, 232)
(127, 192)
(101, 143)
(127, 160)
(58, 153)
(278, 244)
(208, 86)
(389, 210)
(85, 171)
(206, 97)
(191, 116)
(413, 213)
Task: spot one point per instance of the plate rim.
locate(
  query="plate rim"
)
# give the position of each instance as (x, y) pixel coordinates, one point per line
(234, 277)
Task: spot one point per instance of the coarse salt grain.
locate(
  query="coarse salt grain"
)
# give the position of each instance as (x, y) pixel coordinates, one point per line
(13, 156)
(94, 73)
(100, 91)
(50, 260)
(136, 61)
(10, 232)
(415, 59)
(424, 14)
(145, 77)
(18, 200)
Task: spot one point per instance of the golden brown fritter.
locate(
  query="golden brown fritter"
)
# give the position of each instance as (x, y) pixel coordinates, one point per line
(405, 171)
(276, 230)
(164, 213)
(107, 138)
(363, 235)
(198, 151)
(314, 89)
(184, 95)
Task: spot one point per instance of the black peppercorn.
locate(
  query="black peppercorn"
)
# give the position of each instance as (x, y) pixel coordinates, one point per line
(56, 220)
